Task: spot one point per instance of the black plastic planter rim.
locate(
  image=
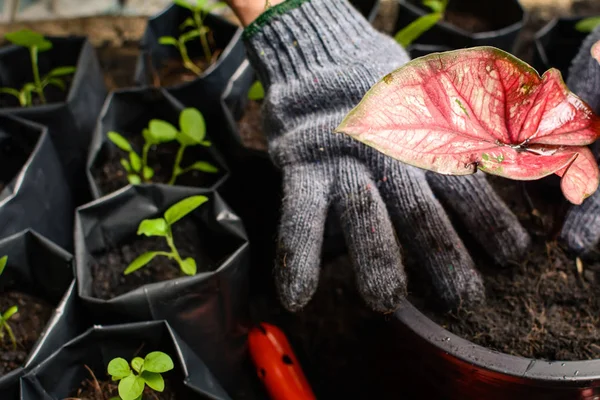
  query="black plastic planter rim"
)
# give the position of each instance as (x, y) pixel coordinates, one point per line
(228, 49)
(573, 373)
(479, 35)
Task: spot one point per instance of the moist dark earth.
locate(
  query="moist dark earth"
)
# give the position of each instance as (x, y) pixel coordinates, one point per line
(97, 389)
(250, 127)
(27, 325)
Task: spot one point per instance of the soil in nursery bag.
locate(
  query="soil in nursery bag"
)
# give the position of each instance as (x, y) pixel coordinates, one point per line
(95, 389)
(250, 127)
(27, 325)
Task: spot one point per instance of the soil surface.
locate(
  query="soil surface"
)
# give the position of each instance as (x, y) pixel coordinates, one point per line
(250, 127)
(467, 21)
(111, 176)
(107, 271)
(27, 326)
(93, 389)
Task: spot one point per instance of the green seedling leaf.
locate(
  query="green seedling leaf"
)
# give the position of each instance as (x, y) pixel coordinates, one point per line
(11, 91)
(56, 82)
(186, 37)
(61, 71)
(587, 25)
(158, 362)
(119, 141)
(206, 143)
(161, 131)
(188, 23)
(183, 208)
(216, 6)
(204, 167)
(28, 38)
(131, 387)
(415, 29)
(437, 6)
(153, 227)
(153, 380)
(137, 364)
(184, 4)
(134, 179)
(200, 4)
(126, 165)
(135, 161)
(188, 266)
(10, 312)
(167, 40)
(140, 262)
(3, 262)
(146, 134)
(256, 92)
(148, 173)
(192, 124)
(118, 368)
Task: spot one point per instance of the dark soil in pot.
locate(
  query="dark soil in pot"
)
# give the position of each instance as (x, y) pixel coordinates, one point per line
(97, 389)
(27, 325)
(250, 127)
(173, 72)
(108, 267)
(110, 175)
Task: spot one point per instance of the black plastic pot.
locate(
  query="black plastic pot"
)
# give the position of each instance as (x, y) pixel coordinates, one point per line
(506, 19)
(58, 376)
(420, 50)
(208, 310)
(557, 44)
(39, 267)
(368, 8)
(71, 121)
(435, 363)
(36, 194)
(128, 111)
(207, 88)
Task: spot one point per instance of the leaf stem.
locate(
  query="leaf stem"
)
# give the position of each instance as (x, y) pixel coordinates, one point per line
(187, 62)
(176, 167)
(11, 335)
(33, 51)
(203, 35)
(145, 151)
(174, 253)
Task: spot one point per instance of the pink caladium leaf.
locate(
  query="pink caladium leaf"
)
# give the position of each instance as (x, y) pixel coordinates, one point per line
(481, 108)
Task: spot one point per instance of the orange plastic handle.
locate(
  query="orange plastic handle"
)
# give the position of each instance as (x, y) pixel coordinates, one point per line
(277, 365)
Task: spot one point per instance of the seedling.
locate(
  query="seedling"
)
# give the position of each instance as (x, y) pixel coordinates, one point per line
(6, 315)
(481, 108)
(143, 372)
(256, 92)
(36, 43)
(587, 25)
(162, 227)
(193, 133)
(415, 29)
(196, 27)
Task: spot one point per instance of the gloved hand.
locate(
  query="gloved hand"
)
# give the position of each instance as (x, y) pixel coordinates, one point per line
(318, 58)
(581, 230)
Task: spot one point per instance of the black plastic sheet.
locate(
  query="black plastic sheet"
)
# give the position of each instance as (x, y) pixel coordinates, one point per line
(507, 16)
(71, 122)
(58, 376)
(36, 194)
(40, 268)
(209, 310)
(209, 86)
(128, 111)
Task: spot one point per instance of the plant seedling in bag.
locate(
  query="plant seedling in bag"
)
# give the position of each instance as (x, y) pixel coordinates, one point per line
(256, 92)
(162, 227)
(415, 29)
(193, 133)
(195, 29)
(587, 25)
(481, 108)
(36, 43)
(6, 315)
(141, 372)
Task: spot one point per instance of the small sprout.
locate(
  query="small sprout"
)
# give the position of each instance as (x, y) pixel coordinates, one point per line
(256, 92)
(36, 43)
(193, 132)
(418, 27)
(6, 315)
(162, 227)
(587, 25)
(143, 372)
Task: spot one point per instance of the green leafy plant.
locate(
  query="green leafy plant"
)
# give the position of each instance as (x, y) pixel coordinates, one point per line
(142, 372)
(195, 29)
(6, 315)
(256, 92)
(587, 25)
(162, 227)
(415, 29)
(36, 43)
(192, 133)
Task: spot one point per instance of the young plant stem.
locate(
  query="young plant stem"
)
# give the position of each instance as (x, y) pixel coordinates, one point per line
(187, 62)
(11, 335)
(36, 73)
(176, 168)
(174, 253)
(203, 36)
(145, 151)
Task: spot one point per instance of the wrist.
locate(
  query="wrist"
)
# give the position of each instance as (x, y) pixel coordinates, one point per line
(248, 10)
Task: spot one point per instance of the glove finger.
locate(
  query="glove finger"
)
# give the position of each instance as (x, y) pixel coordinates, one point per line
(304, 210)
(424, 229)
(370, 237)
(581, 230)
(584, 74)
(484, 214)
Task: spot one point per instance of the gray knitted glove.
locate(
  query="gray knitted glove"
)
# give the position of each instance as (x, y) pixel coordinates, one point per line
(581, 230)
(317, 58)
